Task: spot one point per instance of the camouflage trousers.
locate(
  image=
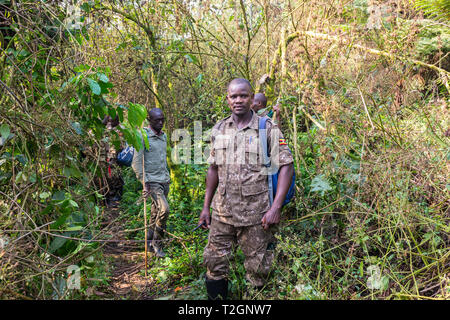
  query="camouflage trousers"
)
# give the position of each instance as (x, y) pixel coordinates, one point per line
(255, 242)
(159, 211)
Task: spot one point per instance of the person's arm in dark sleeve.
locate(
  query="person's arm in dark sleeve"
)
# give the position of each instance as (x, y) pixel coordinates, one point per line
(212, 180)
(273, 216)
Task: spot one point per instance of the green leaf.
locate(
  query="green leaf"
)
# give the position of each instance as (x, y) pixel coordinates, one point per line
(121, 46)
(21, 177)
(144, 134)
(44, 195)
(57, 243)
(112, 112)
(320, 184)
(48, 209)
(61, 220)
(22, 159)
(5, 131)
(82, 68)
(102, 77)
(77, 127)
(199, 79)
(138, 139)
(95, 87)
(59, 195)
(384, 283)
(120, 114)
(136, 114)
(191, 58)
(128, 135)
(86, 7)
(76, 228)
(73, 203)
(66, 172)
(104, 86)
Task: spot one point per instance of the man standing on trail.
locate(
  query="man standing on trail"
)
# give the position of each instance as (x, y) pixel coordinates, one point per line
(156, 177)
(241, 210)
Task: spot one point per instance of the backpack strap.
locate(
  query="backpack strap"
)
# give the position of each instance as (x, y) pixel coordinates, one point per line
(266, 158)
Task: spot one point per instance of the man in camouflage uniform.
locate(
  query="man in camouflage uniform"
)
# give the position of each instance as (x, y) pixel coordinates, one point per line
(156, 177)
(241, 210)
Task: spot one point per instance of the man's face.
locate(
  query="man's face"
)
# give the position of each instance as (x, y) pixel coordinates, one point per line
(157, 122)
(239, 98)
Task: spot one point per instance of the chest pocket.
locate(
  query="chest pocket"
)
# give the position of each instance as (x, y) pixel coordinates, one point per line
(221, 145)
(252, 153)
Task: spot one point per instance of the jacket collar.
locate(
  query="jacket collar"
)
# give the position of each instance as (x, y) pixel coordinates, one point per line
(253, 124)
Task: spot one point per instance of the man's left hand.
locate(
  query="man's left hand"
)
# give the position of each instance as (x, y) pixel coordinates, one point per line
(272, 216)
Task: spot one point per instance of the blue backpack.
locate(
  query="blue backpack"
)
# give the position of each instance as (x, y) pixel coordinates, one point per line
(273, 178)
(125, 157)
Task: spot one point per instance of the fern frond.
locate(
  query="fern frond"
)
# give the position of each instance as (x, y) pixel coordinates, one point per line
(437, 9)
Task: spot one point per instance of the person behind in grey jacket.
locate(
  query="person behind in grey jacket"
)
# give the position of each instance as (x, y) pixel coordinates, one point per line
(156, 178)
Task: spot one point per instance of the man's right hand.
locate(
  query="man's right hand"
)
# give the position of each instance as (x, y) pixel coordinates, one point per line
(204, 219)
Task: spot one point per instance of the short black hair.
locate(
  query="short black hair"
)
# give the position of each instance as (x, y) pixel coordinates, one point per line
(241, 81)
(261, 97)
(154, 112)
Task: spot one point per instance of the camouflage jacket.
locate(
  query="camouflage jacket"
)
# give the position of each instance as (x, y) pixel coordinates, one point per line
(242, 197)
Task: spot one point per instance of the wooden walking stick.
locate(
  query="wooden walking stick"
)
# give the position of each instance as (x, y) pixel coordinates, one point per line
(134, 128)
(145, 208)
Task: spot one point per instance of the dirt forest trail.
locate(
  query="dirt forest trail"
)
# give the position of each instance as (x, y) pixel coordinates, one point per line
(126, 260)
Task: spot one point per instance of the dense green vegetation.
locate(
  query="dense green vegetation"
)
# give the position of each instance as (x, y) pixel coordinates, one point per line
(364, 93)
